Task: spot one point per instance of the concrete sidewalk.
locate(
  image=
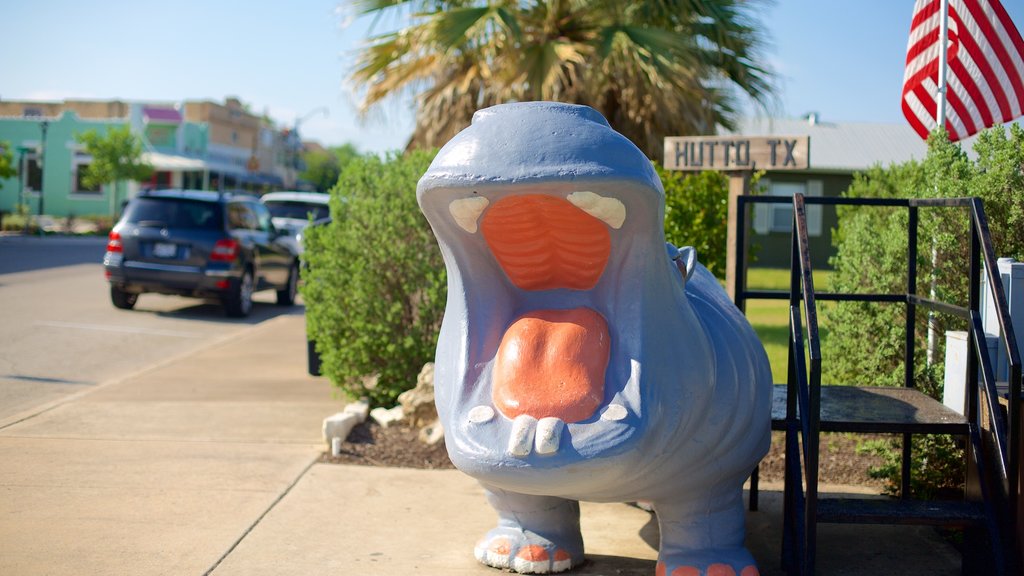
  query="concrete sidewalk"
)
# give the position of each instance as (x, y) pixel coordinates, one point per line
(206, 465)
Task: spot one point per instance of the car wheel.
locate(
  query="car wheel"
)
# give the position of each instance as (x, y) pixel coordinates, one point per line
(286, 295)
(121, 299)
(238, 304)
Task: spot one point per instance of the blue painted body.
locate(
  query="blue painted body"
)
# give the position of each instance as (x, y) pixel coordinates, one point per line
(684, 363)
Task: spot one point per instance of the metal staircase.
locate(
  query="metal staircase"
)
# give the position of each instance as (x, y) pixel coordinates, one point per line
(803, 408)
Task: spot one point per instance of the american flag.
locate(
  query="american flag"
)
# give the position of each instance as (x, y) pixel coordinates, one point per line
(985, 70)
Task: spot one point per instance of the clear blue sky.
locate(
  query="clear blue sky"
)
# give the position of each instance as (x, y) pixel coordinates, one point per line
(840, 58)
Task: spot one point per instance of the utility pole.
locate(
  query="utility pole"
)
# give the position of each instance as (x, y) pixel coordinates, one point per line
(43, 126)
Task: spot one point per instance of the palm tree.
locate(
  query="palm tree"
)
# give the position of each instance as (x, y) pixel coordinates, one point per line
(653, 68)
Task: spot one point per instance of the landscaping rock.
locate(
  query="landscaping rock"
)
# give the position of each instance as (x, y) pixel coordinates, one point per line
(361, 409)
(339, 425)
(418, 403)
(432, 433)
(386, 416)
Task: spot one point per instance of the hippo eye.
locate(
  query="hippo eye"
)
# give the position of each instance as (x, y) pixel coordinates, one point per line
(611, 211)
(467, 211)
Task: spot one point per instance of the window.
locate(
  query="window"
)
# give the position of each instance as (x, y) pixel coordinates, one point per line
(241, 217)
(770, 218)
(32, 177)
(174, 213)
(79, 164)
(263, 216)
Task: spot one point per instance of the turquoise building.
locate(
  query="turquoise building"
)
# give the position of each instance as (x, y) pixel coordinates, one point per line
(50, 165)
(193, 144)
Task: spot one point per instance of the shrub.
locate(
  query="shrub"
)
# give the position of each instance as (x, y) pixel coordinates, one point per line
(871, 256)
(375, 282)
(697, 213)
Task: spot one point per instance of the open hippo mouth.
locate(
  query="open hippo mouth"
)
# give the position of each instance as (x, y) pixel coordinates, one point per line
(555, 366)
(551, 363)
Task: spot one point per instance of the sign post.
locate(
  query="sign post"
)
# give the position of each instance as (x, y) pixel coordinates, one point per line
(739, 157)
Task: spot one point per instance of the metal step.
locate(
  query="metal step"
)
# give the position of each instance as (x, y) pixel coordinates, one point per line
(947, 513)
(876, 409)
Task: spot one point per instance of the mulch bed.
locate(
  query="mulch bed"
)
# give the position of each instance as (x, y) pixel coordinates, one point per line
(399, 446)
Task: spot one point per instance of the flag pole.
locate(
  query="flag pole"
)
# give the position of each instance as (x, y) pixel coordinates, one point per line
(940, 122)
(940, 112)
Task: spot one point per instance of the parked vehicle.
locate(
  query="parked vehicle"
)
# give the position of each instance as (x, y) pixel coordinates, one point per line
(292, 211)
(201, 244)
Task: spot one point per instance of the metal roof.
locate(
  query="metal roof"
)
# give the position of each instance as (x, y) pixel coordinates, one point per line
(843, 147)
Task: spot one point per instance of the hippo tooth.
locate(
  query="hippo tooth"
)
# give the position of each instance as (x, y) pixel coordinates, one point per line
(549, 433)
(520, 441)
(467, 211)
(481, 414)
(614, 412)
(611, 211)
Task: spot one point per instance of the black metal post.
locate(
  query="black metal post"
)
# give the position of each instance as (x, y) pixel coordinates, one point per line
(43, 127)
(910, 329)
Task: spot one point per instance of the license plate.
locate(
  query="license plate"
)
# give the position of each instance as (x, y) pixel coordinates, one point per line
(165, 250)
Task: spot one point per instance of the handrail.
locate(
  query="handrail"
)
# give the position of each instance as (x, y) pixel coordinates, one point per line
(804, 382)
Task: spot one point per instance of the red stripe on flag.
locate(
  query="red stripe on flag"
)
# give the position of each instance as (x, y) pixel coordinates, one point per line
(978, 100)
(1011, 30)
(914, 121)
(962, 111)
(925, 12)
(984, 64)
(996, 43)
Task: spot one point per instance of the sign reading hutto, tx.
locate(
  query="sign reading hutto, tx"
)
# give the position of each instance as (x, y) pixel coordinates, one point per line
(737, 153)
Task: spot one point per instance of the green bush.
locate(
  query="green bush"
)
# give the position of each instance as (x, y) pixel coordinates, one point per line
(375, 282)
(871, 256)
(697, 213)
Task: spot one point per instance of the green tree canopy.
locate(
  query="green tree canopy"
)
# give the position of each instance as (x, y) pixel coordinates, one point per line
(7, 168)
(652, 68)
(324, 166)
(116, 156)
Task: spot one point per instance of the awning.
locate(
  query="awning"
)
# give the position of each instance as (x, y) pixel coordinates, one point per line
(173, 162)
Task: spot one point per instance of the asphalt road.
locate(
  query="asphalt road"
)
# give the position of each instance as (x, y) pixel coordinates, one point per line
(59, 333)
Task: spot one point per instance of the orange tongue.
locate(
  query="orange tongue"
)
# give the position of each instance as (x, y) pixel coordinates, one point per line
(552, 363)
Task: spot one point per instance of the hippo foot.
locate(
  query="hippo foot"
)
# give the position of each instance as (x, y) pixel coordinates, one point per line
(524, 552)
(709, 563)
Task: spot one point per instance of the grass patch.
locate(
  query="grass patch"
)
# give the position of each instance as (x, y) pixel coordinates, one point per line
(770, 318)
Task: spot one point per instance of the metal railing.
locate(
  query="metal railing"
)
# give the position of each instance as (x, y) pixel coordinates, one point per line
(994, 443)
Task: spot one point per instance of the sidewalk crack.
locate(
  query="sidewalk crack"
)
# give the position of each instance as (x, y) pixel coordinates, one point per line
(262, 516)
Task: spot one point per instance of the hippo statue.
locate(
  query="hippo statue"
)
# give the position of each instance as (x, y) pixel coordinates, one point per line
(581, 359)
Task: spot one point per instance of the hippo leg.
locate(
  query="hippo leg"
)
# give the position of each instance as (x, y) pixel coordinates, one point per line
(704, 537)
(535, 534)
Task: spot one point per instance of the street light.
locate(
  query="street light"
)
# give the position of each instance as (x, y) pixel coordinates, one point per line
(296, 143)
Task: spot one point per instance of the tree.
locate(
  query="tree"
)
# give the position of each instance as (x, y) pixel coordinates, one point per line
(652, 68)
(7, 168)
(324, 166)
(116, 157)
(375, 283)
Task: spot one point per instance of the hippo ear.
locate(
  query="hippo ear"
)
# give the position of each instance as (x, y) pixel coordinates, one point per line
(686, 261)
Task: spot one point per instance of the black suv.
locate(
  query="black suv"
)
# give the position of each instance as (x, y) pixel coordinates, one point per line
(201, 244)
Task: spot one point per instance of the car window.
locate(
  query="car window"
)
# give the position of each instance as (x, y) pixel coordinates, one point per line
(297, 210)
(262, 217)
(174, 213)
(241, 217)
